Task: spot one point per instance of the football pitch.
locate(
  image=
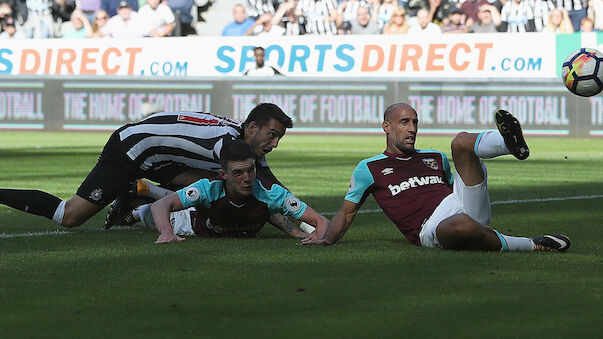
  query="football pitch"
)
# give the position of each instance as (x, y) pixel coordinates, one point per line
(88, 282)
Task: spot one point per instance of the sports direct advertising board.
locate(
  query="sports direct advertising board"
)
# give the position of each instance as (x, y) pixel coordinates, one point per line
(470, 56)
(336, 84)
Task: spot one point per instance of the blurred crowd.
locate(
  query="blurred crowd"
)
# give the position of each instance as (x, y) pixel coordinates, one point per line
(39, 19)
(23, 19)
(329, 17)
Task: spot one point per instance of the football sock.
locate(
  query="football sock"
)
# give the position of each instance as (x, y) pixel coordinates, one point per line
(515, 244)
(490, 144)
(148, 189)
(143, 213)
(34, 202)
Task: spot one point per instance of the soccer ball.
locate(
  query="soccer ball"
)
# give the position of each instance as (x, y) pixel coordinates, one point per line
(582, 73)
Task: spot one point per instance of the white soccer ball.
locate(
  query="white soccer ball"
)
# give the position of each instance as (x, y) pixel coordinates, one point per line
(582, 73)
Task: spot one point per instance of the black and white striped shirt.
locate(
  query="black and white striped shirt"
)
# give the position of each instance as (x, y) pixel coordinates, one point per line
(255, 8)
(188, 139)
(572, 5)
(315, 12)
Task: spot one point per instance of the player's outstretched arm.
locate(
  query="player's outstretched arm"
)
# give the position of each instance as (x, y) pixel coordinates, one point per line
(287, 225)
(337, 227)
(160, 210)
(313, 218)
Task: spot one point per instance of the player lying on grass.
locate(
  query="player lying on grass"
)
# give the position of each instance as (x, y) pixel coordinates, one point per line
(416, 190)
(236, 205)
(174, 149)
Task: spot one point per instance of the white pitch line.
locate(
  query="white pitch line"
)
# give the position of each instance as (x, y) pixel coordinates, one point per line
(121, 228)
(58, 232)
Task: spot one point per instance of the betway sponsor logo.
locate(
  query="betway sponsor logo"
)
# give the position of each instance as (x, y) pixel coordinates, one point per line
(415, 182)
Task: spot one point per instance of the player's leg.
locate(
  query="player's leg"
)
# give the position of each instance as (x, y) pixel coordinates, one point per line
(190, 176)
(461, 232)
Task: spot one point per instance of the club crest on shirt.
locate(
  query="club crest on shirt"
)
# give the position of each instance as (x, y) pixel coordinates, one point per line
(431, 163)
(192, 194)
(292, 204)
(97, 194)
(387, 171)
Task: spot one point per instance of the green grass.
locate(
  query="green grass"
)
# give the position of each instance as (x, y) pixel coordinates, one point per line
(373, 283)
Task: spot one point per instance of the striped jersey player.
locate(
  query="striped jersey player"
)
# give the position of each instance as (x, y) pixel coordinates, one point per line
(416, 191)
(172, 148)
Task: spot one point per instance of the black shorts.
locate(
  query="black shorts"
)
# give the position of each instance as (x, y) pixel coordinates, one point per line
(105, 182)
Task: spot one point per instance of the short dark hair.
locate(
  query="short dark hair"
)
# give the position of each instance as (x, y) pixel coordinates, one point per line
(263, 113)
(259, 48)
(235, 150)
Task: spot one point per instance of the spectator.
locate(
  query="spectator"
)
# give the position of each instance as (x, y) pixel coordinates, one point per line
(517, 16)
(89, 8)
(241, 22)
(397, 23)
(576, 10)
(384, 11)
(6, 12)
(260, 68)
(184, 18)
(264, 27)
(320, 16)
(488, 20)
(80, 26)
(470, 9)
(159, 18)
(110, 6)
(542, 8)
(424, 25)
(39, 24)
(587, 25)
(455, 22)
(62, 10)
(595, 13)
(286, 17)
(347, 10)
(9, 30)
(255, 8)
(344, 29)
(100, 20)
(126, 24)
(363, 23)
(559, 22)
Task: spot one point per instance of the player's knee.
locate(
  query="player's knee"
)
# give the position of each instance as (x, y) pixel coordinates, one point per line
(71, 219)
(461, 226)
(463, 143)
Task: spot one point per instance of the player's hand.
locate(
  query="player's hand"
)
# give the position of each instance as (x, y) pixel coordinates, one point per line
(313, 241)
(168, 237)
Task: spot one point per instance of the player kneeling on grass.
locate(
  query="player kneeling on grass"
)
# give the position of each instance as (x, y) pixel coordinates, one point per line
(236, 205)
(416, 190)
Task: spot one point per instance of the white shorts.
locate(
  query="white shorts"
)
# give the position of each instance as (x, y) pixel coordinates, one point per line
(471, 200)
(181, 222)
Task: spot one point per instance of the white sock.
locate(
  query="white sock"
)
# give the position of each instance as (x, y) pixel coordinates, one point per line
(490, 144)
(151, 190)
(143, 213)
(515, 244)
(59, 213)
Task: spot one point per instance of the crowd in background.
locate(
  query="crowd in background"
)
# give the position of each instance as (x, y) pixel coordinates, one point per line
(157, 18)
(39, 19)
(328, 17)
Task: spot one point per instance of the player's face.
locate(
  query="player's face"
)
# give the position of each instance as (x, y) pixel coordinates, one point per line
(264, 139)
(240, 178)
(402, 130)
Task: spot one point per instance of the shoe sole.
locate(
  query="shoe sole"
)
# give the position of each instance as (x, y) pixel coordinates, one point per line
(510, 129)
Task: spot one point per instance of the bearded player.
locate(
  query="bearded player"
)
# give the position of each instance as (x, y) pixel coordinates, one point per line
(417, 192)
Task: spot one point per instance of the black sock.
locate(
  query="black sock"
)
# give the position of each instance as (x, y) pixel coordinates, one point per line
(30, 201)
